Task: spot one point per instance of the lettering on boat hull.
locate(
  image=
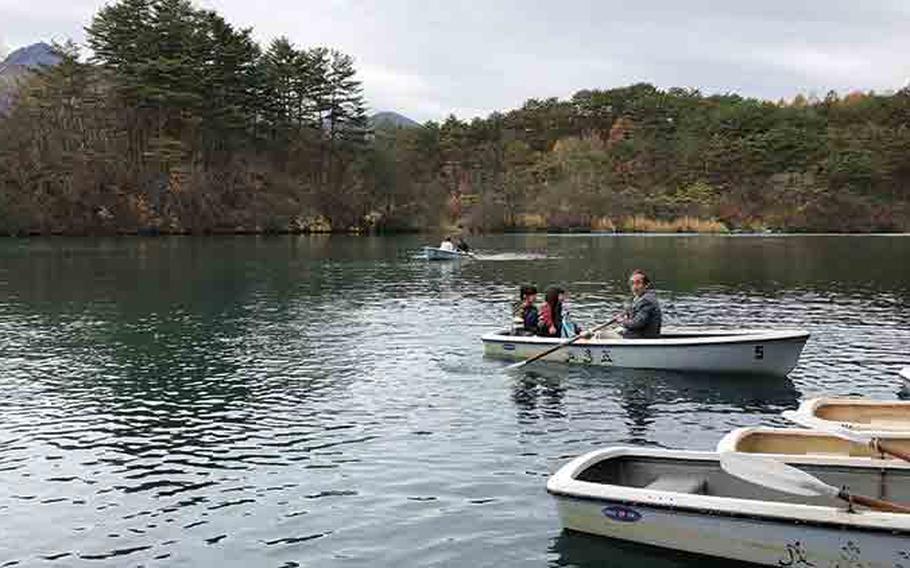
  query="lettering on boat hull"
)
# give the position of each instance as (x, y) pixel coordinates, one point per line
(621, 513)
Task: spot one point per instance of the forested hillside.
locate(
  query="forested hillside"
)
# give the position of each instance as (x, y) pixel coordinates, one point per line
(180, 122)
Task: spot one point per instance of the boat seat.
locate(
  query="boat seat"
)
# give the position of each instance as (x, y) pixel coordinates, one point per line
(888, 422)
(679, 484)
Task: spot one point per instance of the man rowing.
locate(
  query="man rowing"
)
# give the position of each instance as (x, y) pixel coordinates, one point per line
(643, 318)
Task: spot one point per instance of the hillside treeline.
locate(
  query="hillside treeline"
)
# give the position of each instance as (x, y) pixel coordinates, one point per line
(640, 158)
(180, 122)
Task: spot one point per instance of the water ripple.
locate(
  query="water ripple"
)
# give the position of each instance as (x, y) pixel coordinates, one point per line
(318, 401)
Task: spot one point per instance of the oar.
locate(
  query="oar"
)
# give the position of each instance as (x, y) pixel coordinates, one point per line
(771, 473)
(838, 431)
(560, 345)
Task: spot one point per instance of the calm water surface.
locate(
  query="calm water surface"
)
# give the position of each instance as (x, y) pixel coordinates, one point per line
(322, 401)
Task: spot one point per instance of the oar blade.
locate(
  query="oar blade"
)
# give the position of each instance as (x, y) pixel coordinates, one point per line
(515, 366)
(773, 474)
(827, 427)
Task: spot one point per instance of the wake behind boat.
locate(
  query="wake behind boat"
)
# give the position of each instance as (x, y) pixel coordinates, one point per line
(684, 500)
(756, 351)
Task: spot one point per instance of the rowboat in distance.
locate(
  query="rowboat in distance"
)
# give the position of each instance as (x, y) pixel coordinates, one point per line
(435, 253)
(749, 351)
(784, 443)
(685, 501)
(856, 414)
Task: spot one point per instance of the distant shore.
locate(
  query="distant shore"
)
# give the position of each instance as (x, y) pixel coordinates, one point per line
(437, 232)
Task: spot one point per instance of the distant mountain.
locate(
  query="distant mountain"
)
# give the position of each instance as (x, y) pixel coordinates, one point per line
(20, 62)
(392, 119)
(31, 56)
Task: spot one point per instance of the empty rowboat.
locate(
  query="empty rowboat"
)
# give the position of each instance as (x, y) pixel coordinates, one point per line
(767, 352)
(856, 414)
(787, 442)
(684, 501)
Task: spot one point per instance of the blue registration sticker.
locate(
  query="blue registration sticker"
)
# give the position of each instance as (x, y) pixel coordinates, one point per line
(508, 347)
(621, 514)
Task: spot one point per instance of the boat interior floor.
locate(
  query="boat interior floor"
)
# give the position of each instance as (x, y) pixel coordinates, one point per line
(706, 477)
(693, 484)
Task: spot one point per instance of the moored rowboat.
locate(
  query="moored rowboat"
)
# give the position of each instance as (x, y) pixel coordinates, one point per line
(435, 253)
(769, 352)
(856, 414)
(684, 501)
(783, 443)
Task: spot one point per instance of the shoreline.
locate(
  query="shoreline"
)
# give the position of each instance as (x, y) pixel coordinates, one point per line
(436, 232)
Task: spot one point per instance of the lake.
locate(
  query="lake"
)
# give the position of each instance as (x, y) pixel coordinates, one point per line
(323, 400)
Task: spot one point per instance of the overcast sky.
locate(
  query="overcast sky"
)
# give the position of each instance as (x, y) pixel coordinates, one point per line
(429, 58)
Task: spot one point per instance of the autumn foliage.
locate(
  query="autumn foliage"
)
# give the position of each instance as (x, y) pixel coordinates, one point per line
(181, 123)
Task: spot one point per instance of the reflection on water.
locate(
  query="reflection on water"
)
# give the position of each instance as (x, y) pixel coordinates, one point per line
(323, 400)
(642, 396)
(580, 550)
(538, 396)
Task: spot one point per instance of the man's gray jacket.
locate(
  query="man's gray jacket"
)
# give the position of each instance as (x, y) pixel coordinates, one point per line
(645, 318)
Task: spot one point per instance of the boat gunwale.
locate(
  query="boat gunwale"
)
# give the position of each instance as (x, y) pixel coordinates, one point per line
(808, 409)
(728, 338)
(564, 485)
(730, 442)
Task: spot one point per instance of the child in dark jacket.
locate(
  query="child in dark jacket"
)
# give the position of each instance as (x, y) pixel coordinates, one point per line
(525, 316)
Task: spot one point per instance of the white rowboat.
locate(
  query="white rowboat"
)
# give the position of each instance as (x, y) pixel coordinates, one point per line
(684, 501)
(766, 352)
(784, 443)
(872, 416)
(435, 253)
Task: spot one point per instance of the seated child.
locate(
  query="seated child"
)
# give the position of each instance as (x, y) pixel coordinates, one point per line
(524, 312)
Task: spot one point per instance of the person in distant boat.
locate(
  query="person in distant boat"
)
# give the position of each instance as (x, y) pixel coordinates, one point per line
(462, 245)
(643, 319)
(447, 244)
(525, 316)
(554, 318)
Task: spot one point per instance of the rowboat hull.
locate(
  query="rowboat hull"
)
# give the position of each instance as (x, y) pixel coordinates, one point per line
(783, 443)
(872, 416)
(606, 493)
(433, 253)
(760, 352)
